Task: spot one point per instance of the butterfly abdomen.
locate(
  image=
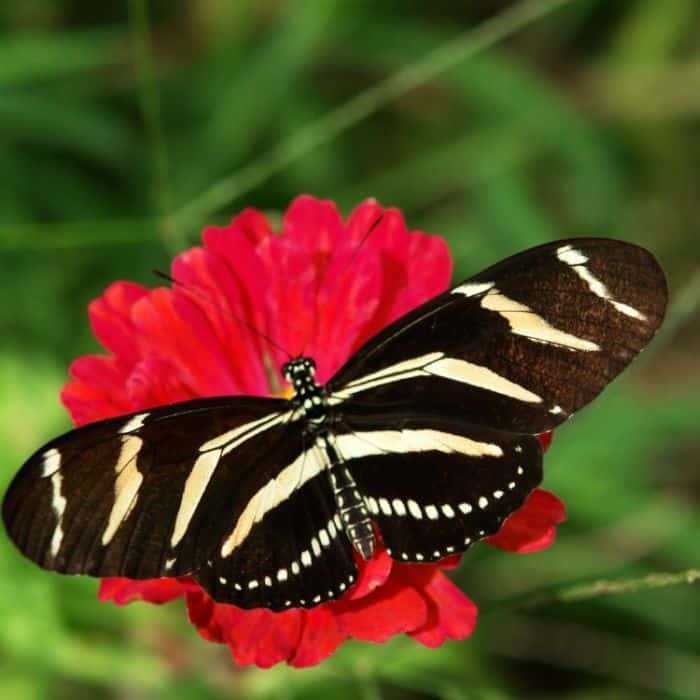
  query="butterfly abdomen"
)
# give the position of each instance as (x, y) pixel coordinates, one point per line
(349, 501)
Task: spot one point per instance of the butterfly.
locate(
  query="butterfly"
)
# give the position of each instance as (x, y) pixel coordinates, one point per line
(425, 439)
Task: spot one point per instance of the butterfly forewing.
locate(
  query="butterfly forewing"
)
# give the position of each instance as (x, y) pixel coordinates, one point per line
(138, 496)
(519, 347)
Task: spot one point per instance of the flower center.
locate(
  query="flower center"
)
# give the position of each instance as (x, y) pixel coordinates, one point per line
(285, 392)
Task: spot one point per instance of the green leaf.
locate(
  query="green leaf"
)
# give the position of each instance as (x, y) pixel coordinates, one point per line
(648, 36)
(55, 121)
(257, 83)
(39, 58)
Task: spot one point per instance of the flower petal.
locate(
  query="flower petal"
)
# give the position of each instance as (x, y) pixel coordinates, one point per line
(314, 225)
(97, 389)
(258, 637)
(414, 266)
(450, 562)
(202, 613)
(110, 318)
(345, 300)
(320, 636)
(451, 615)
(391, 609)
(124, 590)
(262, 637)
(533, 526)
(250, 222)
(155, 382)
(372, 574)
(545, 440)
(233, 282)
(185, 345)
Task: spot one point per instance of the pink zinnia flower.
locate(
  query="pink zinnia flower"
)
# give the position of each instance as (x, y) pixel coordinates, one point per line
(309, 288)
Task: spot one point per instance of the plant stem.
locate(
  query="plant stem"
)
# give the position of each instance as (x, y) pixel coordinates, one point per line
(597, 589)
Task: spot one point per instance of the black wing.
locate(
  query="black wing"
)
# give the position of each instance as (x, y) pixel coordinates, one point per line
(134, 496)
(435, 486)
(288, 549)
(426, 414)
(519, 347)
(223, 489)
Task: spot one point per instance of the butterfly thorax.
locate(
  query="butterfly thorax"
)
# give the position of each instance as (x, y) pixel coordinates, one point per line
(351, 514)
(309, 395)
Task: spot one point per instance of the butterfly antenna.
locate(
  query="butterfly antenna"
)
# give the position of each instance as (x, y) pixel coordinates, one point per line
(228, 312)
(364, 238)
(314, 328)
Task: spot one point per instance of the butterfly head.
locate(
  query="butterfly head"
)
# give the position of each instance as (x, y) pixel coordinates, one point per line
(308, 395)
(300, 371)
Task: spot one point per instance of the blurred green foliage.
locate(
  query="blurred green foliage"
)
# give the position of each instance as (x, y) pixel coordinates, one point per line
(126, 127)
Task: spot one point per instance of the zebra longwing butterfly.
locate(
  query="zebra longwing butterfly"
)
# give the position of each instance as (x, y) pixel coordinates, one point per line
(426, 438)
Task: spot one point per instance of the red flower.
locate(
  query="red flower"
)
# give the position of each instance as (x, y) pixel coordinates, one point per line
(309, 288)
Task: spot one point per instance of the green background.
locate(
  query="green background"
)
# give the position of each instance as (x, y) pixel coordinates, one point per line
(125, 127)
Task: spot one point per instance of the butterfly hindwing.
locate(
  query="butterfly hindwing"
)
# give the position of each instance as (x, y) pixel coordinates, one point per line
(292, 550)
(436, 486)
(519, 347)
